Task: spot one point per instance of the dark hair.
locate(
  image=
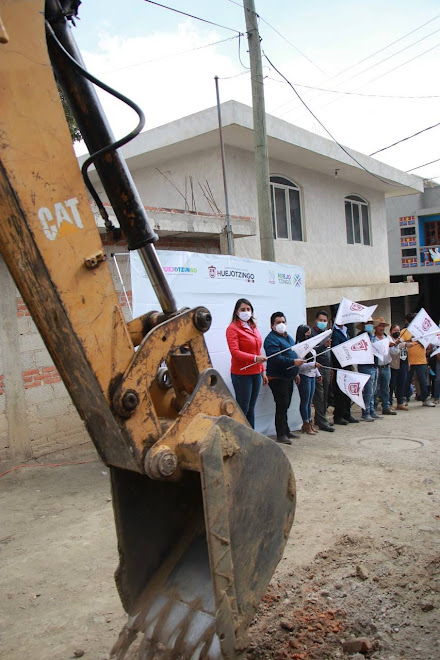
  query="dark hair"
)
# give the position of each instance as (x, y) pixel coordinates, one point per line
(321, 311)
(411, 316)
(274, 315)
(301, 333)
(239, 302)
(394, 325)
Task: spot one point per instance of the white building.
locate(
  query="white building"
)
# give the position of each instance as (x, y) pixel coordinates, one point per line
(330, 212)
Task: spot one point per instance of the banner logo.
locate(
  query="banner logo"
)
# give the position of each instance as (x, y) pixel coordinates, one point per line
(271, 277)
(182, 270)
(426, 325)
(232, 274)
(354, 388)
(284, 278)
(360, 346)
(355, 307)
(297, 280)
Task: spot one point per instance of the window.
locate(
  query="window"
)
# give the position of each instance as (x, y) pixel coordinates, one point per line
(411, 252)
(357, 220)
(432, 233)
(408, 231)
(286, 209)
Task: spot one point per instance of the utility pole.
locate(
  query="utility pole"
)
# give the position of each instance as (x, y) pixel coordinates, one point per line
(260, 135)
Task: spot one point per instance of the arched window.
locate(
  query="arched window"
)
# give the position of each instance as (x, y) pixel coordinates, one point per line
(357, 220)
(286, 209)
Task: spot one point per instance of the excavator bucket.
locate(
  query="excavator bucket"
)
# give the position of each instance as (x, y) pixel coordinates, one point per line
(196, 555)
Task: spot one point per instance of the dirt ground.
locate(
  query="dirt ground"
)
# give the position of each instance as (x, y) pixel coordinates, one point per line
(363, 558)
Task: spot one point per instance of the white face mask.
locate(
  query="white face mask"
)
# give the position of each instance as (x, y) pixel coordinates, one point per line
(281, 328)
(244, 316)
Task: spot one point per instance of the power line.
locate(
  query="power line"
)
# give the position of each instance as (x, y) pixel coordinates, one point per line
(370, 96)
(370, 56)
(197, 18)
(404, 139)
(293, 46)
(377, 78)
(326, 129)
(424, 165)
(283, 37)
(167, 57)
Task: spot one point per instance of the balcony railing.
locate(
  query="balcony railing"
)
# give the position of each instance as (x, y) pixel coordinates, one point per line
(430, 256)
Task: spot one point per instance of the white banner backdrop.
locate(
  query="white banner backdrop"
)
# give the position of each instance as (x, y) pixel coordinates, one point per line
(216, 282)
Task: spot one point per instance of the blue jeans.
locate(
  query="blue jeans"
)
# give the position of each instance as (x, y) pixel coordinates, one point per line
(306, 390)
(422, 376)
(369, 389)
(398, 382)
(246, 392)
(383, 386)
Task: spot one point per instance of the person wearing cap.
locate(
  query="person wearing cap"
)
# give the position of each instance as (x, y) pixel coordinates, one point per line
(384, 370)
(369, 414)
(418, 364)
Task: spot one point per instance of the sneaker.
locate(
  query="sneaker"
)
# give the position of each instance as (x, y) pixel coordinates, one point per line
(436, 401)
(341, 422)
(388, 411)
(374, 415)
(284, 440)
(293, 435)
(367, 418)
(428, 403)
(402, 406)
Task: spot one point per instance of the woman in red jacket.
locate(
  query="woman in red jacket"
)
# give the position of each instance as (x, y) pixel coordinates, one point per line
(245, 343)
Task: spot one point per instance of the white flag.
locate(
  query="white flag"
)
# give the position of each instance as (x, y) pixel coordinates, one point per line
(381, 350)
(352, 384)
(353, 312)
(304, 347)
(423, 328)
(437, 350)
(355, 351)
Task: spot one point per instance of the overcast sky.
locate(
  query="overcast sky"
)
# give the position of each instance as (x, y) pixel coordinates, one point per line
(162, 61)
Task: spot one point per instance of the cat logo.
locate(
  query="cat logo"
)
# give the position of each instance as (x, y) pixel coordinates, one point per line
(63, 219)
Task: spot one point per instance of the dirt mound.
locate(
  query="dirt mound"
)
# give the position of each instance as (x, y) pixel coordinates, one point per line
(381, 592)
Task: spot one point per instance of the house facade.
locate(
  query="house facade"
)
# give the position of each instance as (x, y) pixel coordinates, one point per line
(413, 223)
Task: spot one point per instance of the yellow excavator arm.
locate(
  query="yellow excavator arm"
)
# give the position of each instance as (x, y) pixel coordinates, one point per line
(203, 504)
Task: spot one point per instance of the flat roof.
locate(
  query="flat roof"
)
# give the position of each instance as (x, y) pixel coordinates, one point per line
(286, 142)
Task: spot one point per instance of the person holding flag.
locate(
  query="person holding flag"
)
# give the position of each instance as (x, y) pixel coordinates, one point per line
(342, 413)
(382, 351)
(418, 364)
(369, 414)
(320, 399)
(280, 373)
(308, 374)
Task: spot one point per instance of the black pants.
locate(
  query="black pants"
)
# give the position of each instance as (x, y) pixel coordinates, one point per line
(342, 403)
(282, 391)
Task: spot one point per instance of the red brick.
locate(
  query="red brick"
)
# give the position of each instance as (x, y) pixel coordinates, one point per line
(31, 372)
(49, 381)
(47, 369)
(34, 384)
